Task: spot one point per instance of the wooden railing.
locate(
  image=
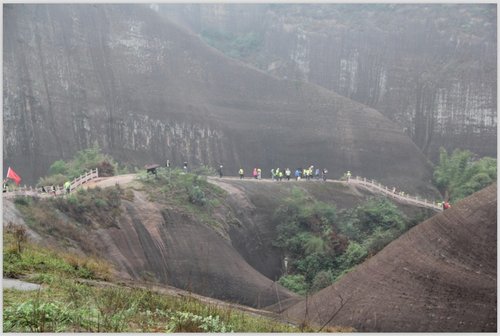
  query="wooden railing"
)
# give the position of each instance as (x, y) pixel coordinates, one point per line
(392, 193)
(46, 191)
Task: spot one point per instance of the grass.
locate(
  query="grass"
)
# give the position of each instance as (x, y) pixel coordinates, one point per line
(190, 194)
(69, 304)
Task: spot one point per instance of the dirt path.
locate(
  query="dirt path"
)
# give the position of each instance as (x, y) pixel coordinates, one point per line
(19, 285)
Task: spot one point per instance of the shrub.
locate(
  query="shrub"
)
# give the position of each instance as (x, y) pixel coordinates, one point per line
(294, 282)
(36, 316)
(196, 195)
(189, 322)
(322, 280)
(354, 255)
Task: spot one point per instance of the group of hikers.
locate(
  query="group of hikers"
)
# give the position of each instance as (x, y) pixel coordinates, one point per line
(278, 174)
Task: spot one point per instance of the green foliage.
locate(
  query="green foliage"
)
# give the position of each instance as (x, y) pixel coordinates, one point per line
(95, 204)
(294, 282)
(323, 245)
(378, 213)
(189, 322)
(58, 167)
(196, 195)
(69, 304)
(354, 255)
(459, 175)
(322, 280)
(61, 171)
(35, 316)
(53, 180)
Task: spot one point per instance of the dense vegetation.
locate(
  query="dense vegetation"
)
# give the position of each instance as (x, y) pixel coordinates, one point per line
(83, 161)
(321, 244)
(459, 175)
(74, 299)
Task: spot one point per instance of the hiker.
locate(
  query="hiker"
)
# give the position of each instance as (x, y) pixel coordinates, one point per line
(316, 174)
(259, 173)
(242, 173)
(220, 171)
(5, 185)
(446, 205)
(43, 189)
(297, 174)
(53, 190)
(280, 175)
(185, 167)
(254, 173)
(167, 164)
(287, 174)
(67, 186)
(325, 171)
(348, 175)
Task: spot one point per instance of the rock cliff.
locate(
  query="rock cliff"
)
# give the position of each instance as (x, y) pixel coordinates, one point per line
(430, 68)
(148, 90)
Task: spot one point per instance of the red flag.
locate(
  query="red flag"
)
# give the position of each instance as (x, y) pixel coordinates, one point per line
(12, 175)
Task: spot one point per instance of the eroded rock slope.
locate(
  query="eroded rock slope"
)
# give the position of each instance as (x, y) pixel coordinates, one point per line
(439, 276)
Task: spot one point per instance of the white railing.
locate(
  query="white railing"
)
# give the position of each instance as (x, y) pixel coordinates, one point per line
(46, 191)
(392, 193)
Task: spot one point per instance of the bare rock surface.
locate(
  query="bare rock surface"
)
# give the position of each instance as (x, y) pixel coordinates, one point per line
(439, 276)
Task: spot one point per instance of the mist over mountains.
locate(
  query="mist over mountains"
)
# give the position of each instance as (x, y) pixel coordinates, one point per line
(146, 90)
(431, 68)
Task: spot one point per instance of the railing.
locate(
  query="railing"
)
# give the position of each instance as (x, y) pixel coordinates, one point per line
(391, 192)
(47, 191)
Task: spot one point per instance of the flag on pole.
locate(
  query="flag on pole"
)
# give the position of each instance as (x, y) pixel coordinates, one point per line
(13, 176)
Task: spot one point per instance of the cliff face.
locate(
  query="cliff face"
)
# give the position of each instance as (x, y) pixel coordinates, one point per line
(430, 68)
(147, 90)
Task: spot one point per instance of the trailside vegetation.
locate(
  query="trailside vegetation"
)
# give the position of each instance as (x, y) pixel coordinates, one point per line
(80, 294)
(459, 175)
(321, 244)
(61, 171)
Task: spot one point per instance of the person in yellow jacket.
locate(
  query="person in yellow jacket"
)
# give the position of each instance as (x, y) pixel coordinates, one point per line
(67, 186)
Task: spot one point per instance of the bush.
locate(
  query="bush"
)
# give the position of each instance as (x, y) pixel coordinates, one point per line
(294, 282)
(322, 280)
(189, 322)
(196, 195)
(35, 316)
(354, 255)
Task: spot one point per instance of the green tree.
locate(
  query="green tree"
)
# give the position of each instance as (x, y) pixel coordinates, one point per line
(459, 175)
(294, 282)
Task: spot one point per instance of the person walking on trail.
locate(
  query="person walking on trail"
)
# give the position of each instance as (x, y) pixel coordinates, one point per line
(316, 174)
(220, 171)
(185, 167)
(53, 190)
(273, 174)
(67, 186)
(446, 205)
(324, 172)
(280, 175)
(297, 174)
(348, 175)
(254, 173)
(241, 173)
(287, 174)
(259, 173)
